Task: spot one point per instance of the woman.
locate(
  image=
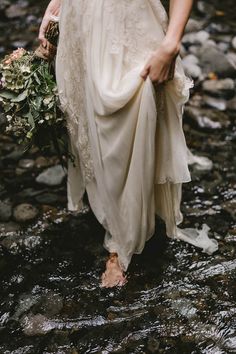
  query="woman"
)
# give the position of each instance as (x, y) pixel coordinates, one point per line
(122, 88)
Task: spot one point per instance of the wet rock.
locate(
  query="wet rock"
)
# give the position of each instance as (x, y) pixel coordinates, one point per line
(207, 118)
(153, 345)
(26, 163)
(193, 26)
(14, 155)
(234, 42)
(191, 67)
(207, 10)
(9, 227)
(15, 10)
(230, 207)
(53, 176)
(24, 304)
(25, 212)
(224, 87)
(5, 210)
(19, 44)
(51, 304)
(17, 243)
(47, 198)
(184, 307)
(213, 102)
(213, 60)
(231, 104)
(35, 325)
(195, 37)
(42, 161)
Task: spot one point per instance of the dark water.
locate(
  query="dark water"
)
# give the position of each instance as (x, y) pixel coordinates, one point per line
(177, 299)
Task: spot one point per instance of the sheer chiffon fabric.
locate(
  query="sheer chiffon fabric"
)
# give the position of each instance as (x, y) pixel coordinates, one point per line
(127, 135)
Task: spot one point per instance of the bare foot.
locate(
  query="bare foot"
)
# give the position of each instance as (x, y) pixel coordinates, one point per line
(113, 275)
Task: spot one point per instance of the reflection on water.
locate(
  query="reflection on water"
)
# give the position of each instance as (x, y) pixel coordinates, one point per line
(177, 299)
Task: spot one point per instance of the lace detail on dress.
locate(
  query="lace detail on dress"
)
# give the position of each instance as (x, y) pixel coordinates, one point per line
(128, 31)
(71, 86)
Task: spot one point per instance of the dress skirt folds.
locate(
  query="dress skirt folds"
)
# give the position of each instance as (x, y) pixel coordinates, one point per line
(126, 135)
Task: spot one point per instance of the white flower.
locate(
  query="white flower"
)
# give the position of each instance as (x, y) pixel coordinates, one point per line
(9, 117)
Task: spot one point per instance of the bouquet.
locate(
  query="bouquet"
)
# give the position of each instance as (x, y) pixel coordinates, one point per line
(29, 97)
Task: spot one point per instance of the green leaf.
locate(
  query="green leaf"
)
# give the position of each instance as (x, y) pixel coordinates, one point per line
(7, 94)
(30, 119)
(21, 97)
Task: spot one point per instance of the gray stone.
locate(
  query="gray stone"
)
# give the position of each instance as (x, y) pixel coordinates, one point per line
(191, 67)
(25, 212)
(35, 324)
(5, 210)
(206, 9)
(26, 163)
(231, 104)
(234, 42)
(195, 37)
(16, 243)
(213, 60)
(193, 25)
(9, 228)
(207, 118)
(219, 87)
(52, 176)
(214, 102)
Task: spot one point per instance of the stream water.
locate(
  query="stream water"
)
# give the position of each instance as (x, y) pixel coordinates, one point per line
(177, 300)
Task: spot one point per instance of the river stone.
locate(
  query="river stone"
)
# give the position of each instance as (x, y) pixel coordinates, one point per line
(193, 26)
(15, 10)
(213, 60)
(16, 243)
(214, 102)
(234, 42)
(5, 210)
(42, 161)
(9, 227)
(35, 324)
(195, 37)
(52, 176)
(207, 118)
(231, 104)
(190, 63)
(206, 9)
(25, 212)
(219, 87)
(26, 163)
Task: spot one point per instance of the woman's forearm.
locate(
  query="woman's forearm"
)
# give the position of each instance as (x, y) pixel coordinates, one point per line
(179, 13)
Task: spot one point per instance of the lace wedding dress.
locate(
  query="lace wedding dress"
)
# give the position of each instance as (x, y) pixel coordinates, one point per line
(127, 136)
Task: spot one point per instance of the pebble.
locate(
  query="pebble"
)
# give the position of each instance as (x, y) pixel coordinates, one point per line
(9, 227)
(234, 42)
(193, 25)
(207, 118)
(196, 37)
(53, 176)
(26, 163)
(25, 212)
(231, 104)
(191, 67)
(213, 60)
(213, 102)
(5, 210)
(220, 88)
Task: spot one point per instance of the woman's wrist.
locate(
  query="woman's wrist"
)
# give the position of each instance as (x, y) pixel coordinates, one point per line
(171, 45)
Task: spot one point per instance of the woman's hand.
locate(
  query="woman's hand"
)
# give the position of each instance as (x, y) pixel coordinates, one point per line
(160, 66)
(52, 10)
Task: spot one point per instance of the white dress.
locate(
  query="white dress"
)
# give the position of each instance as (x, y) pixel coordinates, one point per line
(131, 154)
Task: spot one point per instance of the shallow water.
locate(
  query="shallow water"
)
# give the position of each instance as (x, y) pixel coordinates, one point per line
(177, 299)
